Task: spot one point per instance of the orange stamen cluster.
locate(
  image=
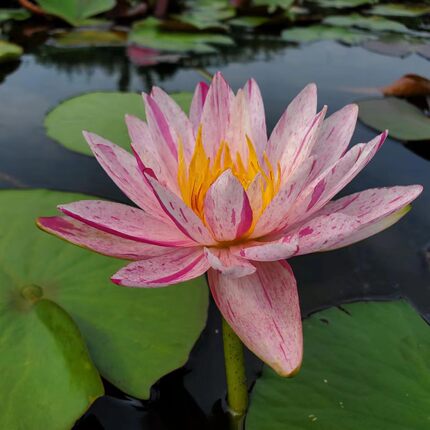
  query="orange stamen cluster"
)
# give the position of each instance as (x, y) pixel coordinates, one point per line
(196, 178)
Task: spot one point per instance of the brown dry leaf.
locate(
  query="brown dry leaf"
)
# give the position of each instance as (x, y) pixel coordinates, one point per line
(408, 86)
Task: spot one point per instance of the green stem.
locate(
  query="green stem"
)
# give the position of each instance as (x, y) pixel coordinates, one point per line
(237, 390)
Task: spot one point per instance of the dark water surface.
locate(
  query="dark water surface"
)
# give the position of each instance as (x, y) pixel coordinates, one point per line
(392, 264)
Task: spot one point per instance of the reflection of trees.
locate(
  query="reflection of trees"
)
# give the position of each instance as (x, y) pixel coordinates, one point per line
(114, 60)
(8, 68)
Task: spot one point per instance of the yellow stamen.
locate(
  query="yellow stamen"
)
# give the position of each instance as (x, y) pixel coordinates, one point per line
(195, 179)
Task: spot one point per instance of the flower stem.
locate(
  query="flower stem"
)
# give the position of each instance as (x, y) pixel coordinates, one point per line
(237, 390)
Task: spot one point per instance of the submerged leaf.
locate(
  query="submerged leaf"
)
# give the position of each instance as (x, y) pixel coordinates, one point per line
(366, 365)
(101, 113)
(403, 120)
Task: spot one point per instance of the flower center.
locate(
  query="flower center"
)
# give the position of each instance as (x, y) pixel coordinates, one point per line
(195, 179)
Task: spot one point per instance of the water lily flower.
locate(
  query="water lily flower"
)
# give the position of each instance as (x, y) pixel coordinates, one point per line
(215, 194)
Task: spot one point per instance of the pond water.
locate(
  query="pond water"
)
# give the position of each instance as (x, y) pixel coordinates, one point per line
(391, 264)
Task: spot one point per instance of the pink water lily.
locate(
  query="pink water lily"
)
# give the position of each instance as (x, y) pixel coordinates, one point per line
(216, 195)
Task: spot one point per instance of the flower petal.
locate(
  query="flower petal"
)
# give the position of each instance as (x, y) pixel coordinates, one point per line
(104, 243)
(177, 266)
(180, 125)
(325, 186)
(124, 171)
(151, 155)
(291, 127)
(334, 138)
(263, 309)
(257, 116)
(227, 263)
(197, 104)
(184, 217)
(228, 213)
(127, 222)
(278, 208)
(356, 217)
(216, 114)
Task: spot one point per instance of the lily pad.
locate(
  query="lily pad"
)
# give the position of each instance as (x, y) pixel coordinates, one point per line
(48, 378)
(151, 34)
(88, 38)
(75, 11)
(366, 366)
(403, 120)
(9, 51)
(101, 113)
(343, 4)
(315, 33)
(249, 21)
(272, 5)
(134, 336)
(14, 14)
(400, 9)
(372, 23)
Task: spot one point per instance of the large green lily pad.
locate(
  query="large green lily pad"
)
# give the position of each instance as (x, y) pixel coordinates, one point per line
(318, 32)
(365, 367)
(9, 51)
(150, 33)
(134, 336)
(75, 12)
(48, 379)
(101, 113)
(403, 120)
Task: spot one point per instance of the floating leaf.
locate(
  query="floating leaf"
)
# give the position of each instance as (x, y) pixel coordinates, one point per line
(398, 45)
(75, 11)
(372, 23)
(9, 51)
(134, 335)
(14, 14)
(400, 9)
(315, 33)
(408, 86)
(343, 4)
(403, 120)
(87, 38)
(249, 21)
(48, 379)
(150, 34)
(101, 113)
(272, 5)
(366, 366)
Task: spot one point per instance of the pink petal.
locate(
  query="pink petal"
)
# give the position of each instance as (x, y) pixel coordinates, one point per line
(272, 251)
(127, 222)
(228, 264)
(227, 211)
(279, 207)
(215, 117)
(355, 217)
(332, 180)
(263, 309)
(197, 104)
(292, 125)
(151, 155)
(257, 116)
(184, 217)
(177, 266)
(104, 243)
(124, 171)
(334, 137)
(179, 123)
